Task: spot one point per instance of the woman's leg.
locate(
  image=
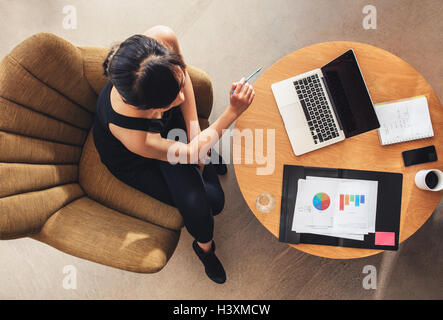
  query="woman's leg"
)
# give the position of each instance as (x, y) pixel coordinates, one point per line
(213, 188)
(184, 187)
(188, 191)
(212, 184)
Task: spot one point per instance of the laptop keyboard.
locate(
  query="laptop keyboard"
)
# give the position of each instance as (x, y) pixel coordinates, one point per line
(316, 109)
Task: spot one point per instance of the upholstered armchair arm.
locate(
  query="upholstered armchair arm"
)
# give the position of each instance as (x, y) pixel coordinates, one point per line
(203, 91)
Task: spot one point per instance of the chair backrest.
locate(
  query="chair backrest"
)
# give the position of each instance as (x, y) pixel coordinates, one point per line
(46, 101)
(47, 107)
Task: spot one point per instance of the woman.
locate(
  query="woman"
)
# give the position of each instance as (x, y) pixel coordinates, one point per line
(149, 93)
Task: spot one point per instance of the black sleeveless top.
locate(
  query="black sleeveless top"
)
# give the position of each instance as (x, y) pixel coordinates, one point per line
(113, 153)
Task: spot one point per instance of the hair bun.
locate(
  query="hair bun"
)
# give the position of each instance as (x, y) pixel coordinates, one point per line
(106, 64)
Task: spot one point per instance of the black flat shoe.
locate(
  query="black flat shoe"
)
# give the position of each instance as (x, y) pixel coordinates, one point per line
(213, 267)
(220, 167)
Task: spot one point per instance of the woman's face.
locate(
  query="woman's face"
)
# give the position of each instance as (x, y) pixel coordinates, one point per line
(181, 95)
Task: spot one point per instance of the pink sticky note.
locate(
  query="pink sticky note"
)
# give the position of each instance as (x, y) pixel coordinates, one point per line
(385, 238)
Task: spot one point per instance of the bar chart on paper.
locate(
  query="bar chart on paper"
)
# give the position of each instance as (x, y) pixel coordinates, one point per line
(355, 200)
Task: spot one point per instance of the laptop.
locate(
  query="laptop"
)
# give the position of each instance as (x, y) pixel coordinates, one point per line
(326, 105)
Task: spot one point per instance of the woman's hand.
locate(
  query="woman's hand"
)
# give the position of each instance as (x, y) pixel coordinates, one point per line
(242, 97)
(195, 147)
(202, 164)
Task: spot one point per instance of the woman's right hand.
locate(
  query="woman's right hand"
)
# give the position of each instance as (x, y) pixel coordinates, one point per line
(242, 97)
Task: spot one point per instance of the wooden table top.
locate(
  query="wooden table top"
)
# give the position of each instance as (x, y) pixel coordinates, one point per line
(388, 78)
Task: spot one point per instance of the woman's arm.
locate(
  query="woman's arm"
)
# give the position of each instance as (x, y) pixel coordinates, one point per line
(152, 145)
(189, 112)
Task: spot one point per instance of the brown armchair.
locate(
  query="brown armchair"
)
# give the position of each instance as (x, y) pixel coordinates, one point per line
(53, 186)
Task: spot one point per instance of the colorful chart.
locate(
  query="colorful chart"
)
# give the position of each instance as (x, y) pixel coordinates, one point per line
(346, 199)
(321, 201)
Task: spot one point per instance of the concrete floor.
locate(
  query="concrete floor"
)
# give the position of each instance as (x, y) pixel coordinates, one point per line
(229, 39)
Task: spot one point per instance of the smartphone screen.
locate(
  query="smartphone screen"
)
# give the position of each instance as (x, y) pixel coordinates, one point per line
(421, 155)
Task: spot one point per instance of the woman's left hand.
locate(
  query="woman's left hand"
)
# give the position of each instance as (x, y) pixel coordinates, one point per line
(201, 164)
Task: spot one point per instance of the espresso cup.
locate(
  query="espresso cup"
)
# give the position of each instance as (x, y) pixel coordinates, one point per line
(431, 180)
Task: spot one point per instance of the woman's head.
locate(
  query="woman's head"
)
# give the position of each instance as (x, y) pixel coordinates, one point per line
(145, 73)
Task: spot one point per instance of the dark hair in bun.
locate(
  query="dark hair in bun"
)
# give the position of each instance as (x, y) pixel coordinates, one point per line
(144, 72)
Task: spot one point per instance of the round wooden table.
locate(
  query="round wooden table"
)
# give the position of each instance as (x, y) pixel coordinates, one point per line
(388, 78)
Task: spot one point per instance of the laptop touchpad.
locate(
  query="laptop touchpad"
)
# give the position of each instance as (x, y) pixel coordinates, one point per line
(284, 93)
(293, 117)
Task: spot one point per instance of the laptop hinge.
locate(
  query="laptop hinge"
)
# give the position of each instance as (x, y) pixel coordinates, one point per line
(332, 103)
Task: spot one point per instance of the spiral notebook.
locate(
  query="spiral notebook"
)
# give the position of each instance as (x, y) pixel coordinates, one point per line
(404, 120)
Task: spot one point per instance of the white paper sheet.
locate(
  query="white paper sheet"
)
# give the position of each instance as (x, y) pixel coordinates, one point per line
(369, 188)
(320, 210)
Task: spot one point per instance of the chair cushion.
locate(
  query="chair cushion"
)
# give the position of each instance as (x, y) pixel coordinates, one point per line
(18, 148)
(102, 186)
(24, 214)
(86, 229)
(18, 178)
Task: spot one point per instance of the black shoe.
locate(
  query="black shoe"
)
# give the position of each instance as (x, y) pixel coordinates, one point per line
(213, 266)
(220, 167)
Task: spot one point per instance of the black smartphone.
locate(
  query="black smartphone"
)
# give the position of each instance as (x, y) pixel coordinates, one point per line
(420, 155)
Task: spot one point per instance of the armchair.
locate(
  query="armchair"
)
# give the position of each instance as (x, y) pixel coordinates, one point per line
(53, 186)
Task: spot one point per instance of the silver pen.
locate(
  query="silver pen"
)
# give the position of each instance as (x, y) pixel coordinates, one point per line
(250, 77)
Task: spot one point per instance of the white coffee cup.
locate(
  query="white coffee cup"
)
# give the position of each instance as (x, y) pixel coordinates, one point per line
(420, 180)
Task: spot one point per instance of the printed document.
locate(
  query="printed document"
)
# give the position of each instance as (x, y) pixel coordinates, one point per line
(344, 208)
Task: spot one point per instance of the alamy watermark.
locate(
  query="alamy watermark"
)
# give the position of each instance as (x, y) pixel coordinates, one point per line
(70, 20)
(370, 20)
(70, 280)
(370, 281)
(199, 147)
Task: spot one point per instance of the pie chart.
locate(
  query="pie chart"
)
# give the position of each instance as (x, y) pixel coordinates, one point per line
(321, 201)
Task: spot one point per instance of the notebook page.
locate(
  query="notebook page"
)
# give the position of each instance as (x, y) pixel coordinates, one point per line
(404, 120)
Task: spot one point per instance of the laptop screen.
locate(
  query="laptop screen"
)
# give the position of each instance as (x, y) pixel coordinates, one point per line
(349, 94)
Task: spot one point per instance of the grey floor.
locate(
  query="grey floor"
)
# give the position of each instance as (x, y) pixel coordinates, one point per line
(230, 39)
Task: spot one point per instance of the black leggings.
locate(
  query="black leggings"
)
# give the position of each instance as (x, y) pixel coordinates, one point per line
(198, 196)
